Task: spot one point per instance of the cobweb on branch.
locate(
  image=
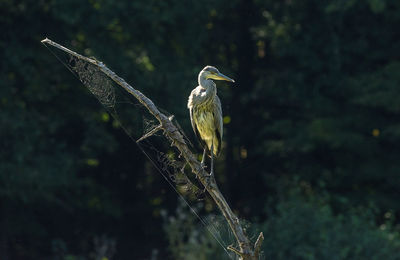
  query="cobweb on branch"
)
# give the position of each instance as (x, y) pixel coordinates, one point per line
(117, 103)
(96, 81)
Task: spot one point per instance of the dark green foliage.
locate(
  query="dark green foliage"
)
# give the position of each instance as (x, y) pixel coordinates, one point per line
(315, 101)
(191, 239)
(297, 228)
(308, 230)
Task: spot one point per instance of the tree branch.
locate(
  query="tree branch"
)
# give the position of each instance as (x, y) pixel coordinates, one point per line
(257, 245)
(246, 251)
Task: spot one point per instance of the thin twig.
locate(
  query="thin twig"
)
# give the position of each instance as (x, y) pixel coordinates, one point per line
(257, 245)
(150, 133)
(235, 250)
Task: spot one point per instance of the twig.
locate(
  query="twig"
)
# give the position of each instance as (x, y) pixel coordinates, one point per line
(257, 245)
(246, 251)
(152, 132)
(235, 250)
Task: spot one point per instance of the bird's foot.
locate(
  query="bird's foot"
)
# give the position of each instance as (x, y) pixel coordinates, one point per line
(202, 168)
(207, 182)
(203, 165)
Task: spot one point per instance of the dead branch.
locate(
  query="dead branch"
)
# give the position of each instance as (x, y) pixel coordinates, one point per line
(246, 251)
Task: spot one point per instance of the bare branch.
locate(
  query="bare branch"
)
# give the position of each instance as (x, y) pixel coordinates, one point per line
(235, 250)
(176, 138)
(257, 245)
(152, 132)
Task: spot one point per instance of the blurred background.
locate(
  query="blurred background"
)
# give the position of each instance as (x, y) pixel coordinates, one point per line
(311, 127)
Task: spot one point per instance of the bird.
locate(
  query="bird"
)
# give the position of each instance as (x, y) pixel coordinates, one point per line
(206, 113)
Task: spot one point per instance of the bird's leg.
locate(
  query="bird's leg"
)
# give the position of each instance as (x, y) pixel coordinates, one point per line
(212, 159)
(203, 165)
(208, 179)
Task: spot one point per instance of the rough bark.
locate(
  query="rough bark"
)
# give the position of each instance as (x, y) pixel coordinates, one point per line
(246, 250)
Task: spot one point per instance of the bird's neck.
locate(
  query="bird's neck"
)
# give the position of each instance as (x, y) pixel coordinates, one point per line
(209, 85)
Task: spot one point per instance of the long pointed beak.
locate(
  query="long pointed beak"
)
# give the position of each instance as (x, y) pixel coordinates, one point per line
(221, 76)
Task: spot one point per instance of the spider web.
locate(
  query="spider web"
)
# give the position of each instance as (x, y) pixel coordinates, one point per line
(137, 122)
(98, 83)
(119, 105)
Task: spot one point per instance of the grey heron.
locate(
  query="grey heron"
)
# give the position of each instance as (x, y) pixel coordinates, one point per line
(206, 113)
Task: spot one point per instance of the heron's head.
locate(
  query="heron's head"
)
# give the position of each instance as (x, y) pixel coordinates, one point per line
(210, 72)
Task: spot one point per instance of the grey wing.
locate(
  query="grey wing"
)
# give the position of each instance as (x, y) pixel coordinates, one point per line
(194, 126)
(218, 120)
